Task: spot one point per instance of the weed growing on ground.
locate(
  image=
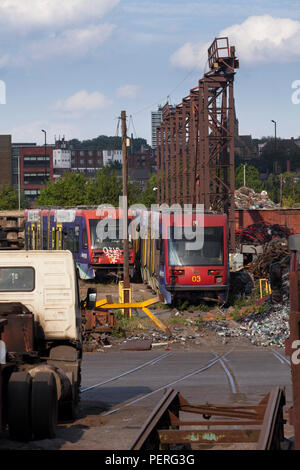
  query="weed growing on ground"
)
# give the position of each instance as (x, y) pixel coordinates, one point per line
(177, 321)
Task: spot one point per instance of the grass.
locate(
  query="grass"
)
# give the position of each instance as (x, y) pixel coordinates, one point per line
(186, 305)
(129, 325)
(177, 321)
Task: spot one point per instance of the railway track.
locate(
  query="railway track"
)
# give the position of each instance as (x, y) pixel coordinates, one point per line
(259, 425)
(208, 365)
(130, 371)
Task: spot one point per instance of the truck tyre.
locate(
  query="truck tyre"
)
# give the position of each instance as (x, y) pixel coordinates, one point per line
(67, 409)
(19, 413)
(44, 405)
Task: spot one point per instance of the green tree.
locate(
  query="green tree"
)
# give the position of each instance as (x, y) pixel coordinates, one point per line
(252, 178)
(69, 190)
(9, 199)
(105, 188)
(272, 186)
(104, 142)
(149, 195)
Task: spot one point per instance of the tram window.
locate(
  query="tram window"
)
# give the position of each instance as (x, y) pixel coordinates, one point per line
(77, 231)
(84, 240)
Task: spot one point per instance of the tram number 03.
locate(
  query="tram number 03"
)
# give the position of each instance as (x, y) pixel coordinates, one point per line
(196, 278)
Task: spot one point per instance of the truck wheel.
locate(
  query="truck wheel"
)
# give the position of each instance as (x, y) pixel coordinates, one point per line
(18, 413)
(44, 405)
(67, 410)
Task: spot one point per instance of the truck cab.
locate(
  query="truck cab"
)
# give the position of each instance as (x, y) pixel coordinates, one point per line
(39, 299)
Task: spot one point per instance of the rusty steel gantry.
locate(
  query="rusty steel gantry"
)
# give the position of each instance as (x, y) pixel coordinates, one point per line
(195, 141)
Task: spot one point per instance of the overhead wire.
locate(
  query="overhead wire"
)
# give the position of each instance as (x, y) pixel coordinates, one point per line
(176, 87)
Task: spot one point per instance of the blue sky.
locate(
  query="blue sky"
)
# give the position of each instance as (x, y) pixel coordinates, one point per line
(71, 67)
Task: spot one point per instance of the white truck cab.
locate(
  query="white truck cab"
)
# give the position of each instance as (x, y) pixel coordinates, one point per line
(40, 306)
(45, 282)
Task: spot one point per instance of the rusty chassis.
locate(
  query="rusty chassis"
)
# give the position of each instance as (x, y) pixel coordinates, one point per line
(261, 424)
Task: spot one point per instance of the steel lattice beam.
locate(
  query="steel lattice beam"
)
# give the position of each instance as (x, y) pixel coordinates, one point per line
(195, 141)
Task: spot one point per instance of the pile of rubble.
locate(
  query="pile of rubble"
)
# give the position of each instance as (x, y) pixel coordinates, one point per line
(247, 198)
(180, 334)
(270, 328)
(273, 252)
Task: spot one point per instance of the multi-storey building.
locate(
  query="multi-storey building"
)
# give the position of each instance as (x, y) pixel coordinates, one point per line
(36, 169)
(112, 156)
(87, 162)
(156, 119)
(5, 160)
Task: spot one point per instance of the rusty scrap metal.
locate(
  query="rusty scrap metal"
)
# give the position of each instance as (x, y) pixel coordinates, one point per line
(98, 321)
(291, 347)
(18, 333)
(275, 250)
(195, 141)
(261, 424)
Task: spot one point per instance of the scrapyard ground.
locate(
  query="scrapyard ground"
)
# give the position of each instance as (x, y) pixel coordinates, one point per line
(121, 388)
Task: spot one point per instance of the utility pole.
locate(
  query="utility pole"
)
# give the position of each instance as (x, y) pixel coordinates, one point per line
(126, 282)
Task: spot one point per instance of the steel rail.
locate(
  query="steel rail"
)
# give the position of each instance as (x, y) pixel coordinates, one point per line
(272, 428)
(281, 357)
(145, 364)
(202, 369)
(229, 376)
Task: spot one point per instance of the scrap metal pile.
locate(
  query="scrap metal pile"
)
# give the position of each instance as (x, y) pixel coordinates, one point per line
(247, 198)
(261, 233)
(270, 328)
(96, 325)
(273, 252)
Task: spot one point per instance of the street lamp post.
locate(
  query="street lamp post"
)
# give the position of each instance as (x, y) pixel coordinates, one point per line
(275, 124)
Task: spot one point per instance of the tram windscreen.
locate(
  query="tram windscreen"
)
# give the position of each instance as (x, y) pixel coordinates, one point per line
(211, 254)
(110, 237)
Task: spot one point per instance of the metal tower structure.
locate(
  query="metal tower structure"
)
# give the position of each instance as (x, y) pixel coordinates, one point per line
(195, 141)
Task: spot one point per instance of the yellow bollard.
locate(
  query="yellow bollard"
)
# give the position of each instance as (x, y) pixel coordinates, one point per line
(121, 296)
(267, 287)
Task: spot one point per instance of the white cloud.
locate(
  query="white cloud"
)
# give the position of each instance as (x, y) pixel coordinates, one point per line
(69, 43)
(82, 102)
(128, 91)
(26, 14)
(74, 42)
(258, 39)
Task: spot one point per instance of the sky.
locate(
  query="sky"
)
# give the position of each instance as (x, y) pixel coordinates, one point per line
(71, 67)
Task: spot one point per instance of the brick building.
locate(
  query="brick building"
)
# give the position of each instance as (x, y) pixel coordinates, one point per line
(5, 160)
(86, 161)
(36, 169)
